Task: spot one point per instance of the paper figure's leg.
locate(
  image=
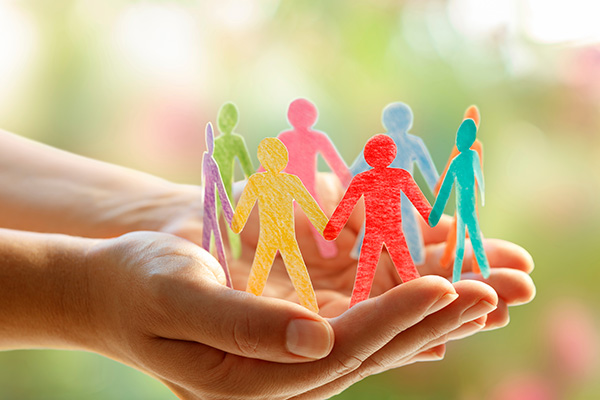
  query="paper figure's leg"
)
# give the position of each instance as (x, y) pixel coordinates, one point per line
(261, 266)
(475, 264)
(221, 255)
(412, 231)
(478, 250)
(369, 256)
(450, 245)
(355, 253)
(235, 243)
(401, 257)
(206, 223)
(294, 264)
(326, 249)
(460, 249)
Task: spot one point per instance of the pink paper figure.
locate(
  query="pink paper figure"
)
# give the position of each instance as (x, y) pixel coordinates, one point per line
(382, 188)
(304, 145)
(212, 181)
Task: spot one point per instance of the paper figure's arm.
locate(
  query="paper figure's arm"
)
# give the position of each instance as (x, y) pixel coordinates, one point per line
(334, 159)
(343, 210)
(415, 195)
(425, 163)
(244, 206)
(316, 216)
(241, 152)
(479, 176)
(442, 197)
(225, 203)
(453, 154)
(359, 165)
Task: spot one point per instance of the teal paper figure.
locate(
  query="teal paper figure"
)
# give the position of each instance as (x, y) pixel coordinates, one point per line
(397, 119)
(228, 146)
(464, 169)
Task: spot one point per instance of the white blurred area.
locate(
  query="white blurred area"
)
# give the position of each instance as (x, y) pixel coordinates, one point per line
(168, 41)
(542, 21)
(18, 51)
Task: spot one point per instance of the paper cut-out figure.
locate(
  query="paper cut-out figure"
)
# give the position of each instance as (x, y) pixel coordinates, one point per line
(382, 188)
(212, 181)
(276, 192)
(473, 113)
(397, 119)
(304, 145)
(228, 146)
(465, 171)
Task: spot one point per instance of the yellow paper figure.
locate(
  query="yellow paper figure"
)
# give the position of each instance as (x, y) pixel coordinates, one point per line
(275, 192)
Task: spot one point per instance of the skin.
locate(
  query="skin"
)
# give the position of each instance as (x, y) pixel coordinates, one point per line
(155, 301)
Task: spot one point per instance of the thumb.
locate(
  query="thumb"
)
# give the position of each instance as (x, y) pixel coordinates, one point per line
(256, 327)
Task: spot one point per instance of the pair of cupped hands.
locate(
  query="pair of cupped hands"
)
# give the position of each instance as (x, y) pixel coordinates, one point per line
(177, 320)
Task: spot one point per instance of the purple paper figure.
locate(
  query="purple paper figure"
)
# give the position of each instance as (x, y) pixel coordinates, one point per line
(212, 181)
(304, 145)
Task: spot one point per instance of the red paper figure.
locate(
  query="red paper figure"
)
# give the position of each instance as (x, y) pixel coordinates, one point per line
(382, 188)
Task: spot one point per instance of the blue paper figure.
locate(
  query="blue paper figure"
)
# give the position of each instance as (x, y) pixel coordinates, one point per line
(212, 182)
(397, 119)
(463, 171)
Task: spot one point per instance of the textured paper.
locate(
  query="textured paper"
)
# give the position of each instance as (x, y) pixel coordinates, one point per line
(382, 188)
(213, 185)
(464, 171)
(276, 192)
(450, 249)
(304, 144)
(228, 147)
(397, 119)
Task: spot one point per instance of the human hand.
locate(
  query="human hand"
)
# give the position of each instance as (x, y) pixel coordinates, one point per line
(159, 304)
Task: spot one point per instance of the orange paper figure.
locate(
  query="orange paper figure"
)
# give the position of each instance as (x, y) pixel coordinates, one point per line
(447, 258)
(382, 188)
(276, 192)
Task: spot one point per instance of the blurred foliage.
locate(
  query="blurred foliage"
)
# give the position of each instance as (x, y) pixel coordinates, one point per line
(134, 82)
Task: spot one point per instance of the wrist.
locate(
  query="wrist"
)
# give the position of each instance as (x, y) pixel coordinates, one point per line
(45, 291)
(164, 207)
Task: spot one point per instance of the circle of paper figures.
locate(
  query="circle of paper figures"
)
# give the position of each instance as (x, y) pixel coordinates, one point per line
(381, 174)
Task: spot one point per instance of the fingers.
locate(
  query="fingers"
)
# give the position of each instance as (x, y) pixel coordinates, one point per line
(513, 286)
(246, 325)
(500, 254)
(475, 300)
(359, 332)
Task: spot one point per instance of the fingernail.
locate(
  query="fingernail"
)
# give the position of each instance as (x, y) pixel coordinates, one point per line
(442, 302)
(308, 338)
(478, 310)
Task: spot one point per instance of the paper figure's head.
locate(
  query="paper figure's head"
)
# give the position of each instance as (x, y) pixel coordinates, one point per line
(397, 117)
(465, 137)
(210, 139)
(380, 151)
(272, 154)
(227, 119)
(302, 114)
(473, 113)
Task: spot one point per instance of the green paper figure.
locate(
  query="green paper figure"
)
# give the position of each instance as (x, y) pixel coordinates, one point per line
(464, 171)
(228, 146)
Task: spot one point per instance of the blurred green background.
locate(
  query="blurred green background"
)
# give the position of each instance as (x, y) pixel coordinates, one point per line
(134, 82)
